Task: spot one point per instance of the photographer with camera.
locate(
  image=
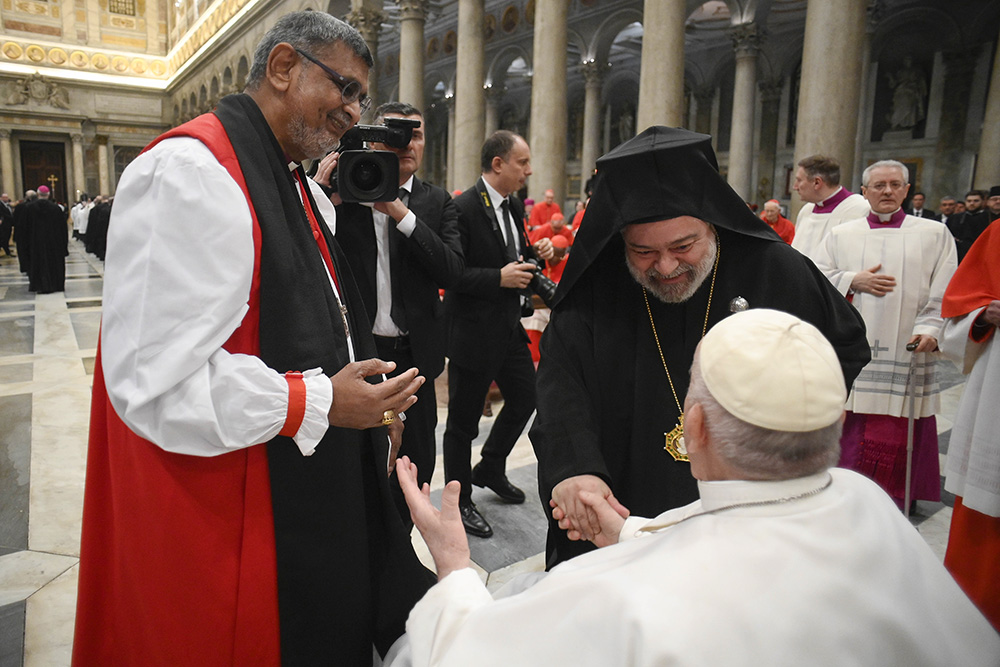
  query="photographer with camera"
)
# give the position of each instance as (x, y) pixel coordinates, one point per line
(401, 252)
(486, 341)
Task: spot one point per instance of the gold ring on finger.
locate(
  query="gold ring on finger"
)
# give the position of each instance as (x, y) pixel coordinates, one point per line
(388, 417)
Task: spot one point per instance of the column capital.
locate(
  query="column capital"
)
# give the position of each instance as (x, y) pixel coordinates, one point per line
(367, 21)
(770, 89)
(747, 39)
(77, 138)
(593, 72)
(704, 95)
(449, 101)
(5, 135)
(493, 93)
(876, 13)
(413, 9)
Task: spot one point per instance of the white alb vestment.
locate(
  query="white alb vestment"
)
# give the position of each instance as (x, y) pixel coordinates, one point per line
(812, 227)
(177, 281)
(834, 578)
(921, 256)
(973, 469)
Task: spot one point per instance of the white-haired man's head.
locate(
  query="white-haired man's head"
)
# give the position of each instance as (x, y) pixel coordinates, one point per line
(766, 399)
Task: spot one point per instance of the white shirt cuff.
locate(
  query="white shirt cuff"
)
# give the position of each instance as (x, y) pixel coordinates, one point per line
(315, 422)
(407, 224)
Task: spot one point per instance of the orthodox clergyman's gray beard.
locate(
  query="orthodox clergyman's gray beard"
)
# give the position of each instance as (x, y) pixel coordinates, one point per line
(682, 291)
(315, 143)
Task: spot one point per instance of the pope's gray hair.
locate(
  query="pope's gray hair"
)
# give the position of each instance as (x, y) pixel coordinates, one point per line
(762, 453)
(885, 163)
(309, 31)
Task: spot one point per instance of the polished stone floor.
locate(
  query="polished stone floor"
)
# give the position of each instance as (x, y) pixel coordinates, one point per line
(47, 347)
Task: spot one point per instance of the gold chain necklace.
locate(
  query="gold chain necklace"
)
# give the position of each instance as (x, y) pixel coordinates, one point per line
(674, 440)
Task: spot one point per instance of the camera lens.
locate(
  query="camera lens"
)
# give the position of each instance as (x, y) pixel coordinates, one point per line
(366, 175)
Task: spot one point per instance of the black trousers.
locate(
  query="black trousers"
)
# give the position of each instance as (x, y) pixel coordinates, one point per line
(467, 389)
(421, 420)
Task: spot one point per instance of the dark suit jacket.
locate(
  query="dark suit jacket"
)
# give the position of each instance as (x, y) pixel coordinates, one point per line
(927, 213)
(481, 314)
(429, 259)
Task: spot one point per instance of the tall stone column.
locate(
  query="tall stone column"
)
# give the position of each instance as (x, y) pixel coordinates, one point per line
(661, 75)
(470, 107)
(412, 14)
(949, 157)
(704, 98)
(770, 101)
(79, 177)
(988, 163)
(7, 165)
(367, 18)
(548, 101)
(593, 76)
(746, 41)
(830, 90)
(103, 180)
(493, 96)
(450, 156)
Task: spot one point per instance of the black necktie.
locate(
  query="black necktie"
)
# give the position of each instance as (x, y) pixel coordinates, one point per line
(397, 311)
(511, 247)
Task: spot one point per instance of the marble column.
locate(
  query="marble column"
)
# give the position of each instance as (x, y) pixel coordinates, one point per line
(412, 14)
(746, 42)
(770, 103)
(493, 96)
(830, 88)
(988, 163)
(450, 155)
(704, 99)
(79, 178)
(7, 165)
(548, 101)
(470, 105)
(103, 180)
(661, 75)
(950, 160)
(593, 76)
(367, 19)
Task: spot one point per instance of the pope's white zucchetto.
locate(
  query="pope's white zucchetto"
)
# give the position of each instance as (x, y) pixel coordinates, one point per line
(773, 370)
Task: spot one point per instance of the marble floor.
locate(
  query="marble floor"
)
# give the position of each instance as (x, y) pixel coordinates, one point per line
(47, 347)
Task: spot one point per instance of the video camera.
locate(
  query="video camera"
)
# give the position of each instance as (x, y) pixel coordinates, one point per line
(367, 175)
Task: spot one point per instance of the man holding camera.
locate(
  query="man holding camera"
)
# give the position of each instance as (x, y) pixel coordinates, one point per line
(486, 341)
(401, 252)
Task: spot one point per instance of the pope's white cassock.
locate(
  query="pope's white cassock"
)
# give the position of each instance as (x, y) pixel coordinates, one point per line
(815, 221)
(920, 254)
(973, 469)
(837, 577)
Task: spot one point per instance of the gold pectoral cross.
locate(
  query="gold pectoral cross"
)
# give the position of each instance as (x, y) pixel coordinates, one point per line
(674, 441)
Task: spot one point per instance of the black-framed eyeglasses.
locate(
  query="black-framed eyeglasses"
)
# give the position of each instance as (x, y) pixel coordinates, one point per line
(350, 90)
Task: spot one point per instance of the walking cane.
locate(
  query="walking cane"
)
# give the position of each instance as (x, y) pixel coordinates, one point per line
(912, 384)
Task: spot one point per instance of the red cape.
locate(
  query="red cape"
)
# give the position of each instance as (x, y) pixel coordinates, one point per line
(977, 280)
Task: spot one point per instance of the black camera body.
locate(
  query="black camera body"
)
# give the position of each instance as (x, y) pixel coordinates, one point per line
(366, 175)
(541, 284)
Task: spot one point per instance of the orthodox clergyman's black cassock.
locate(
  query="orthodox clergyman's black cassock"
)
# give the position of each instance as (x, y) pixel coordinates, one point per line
(604, 402)
(49, 246)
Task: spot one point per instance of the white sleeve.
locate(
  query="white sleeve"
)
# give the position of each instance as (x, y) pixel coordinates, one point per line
(177, 281)
(436, 620)
(956, 343)
(928, 320)
(828, 262)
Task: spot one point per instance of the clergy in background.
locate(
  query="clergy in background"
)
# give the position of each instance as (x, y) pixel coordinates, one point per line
(894, 267)
(781, 225)
(817, 180)
(49, 244)
(972, 306)
(783, 560)
(666, 250)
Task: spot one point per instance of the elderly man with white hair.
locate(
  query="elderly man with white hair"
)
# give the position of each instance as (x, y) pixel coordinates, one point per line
(784, 560)
(894, 268)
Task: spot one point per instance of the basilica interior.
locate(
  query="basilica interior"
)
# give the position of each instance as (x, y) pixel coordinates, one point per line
(86, 84)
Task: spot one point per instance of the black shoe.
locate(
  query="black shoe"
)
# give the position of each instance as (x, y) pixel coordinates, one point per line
(498, 484)
(473, 521)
